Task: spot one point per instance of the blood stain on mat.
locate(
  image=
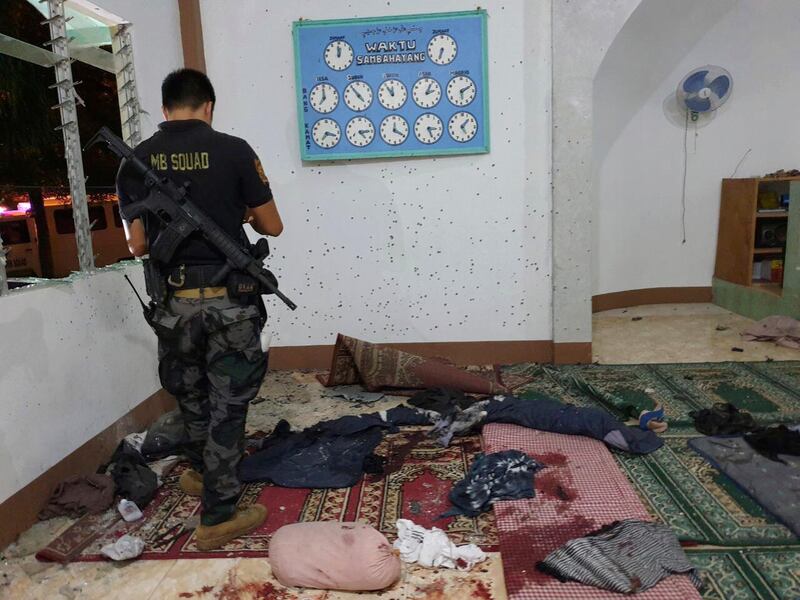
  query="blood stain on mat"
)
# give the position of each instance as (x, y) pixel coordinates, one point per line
(258, 590)
(482, 591)
(432, 591)
(549, 483)
(400, 453)
(532, 543)
(552, 459)
(206, 589)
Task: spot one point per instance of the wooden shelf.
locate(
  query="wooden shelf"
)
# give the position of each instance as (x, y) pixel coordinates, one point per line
(783, 214)
(769, 250)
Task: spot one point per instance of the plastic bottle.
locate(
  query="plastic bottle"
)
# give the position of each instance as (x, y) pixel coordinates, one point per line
(129, 511)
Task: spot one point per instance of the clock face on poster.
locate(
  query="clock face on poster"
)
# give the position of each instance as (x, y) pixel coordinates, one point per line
(442, 49)
(392, 94)
(428, 128)
(462, 127)
(358, 96)
(339, 55)
(392, 86)
(324, 98)
(326, 133)
(427, 92)
(461, 90)
(394, 130)
(360, 131)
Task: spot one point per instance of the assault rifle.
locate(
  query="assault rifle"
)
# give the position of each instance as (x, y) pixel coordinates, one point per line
(171, 204)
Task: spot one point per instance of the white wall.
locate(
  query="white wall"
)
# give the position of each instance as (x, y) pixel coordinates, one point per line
(445, 249)
(638, 209)
(76, 356)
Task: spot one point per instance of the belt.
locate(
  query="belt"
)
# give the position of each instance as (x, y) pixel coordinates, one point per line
(198, 293)
(193, 276)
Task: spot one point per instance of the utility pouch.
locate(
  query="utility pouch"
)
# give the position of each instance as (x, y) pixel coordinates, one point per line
(243, 287)
(161, 321)
(155, 282)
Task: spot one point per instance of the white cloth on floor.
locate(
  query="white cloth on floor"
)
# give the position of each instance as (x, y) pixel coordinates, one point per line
(432, 548)
(124, 548)
(136, 439)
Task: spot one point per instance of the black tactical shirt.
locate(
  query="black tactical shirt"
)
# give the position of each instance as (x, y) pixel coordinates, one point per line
(225, 178)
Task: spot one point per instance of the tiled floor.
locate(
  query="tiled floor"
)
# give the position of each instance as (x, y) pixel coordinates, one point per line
(674, 333)
(665, 333)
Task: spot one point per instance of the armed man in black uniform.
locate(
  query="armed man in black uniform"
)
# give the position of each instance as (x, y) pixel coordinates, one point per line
(209, 350)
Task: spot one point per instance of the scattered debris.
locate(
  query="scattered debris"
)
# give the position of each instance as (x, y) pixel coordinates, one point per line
(125, 548)
(353, 393)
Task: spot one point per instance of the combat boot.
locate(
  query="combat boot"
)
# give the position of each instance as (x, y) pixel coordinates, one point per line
(244, 521)
(191, 483)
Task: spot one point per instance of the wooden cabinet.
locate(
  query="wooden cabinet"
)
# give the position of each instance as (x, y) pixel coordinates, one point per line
(750, 240)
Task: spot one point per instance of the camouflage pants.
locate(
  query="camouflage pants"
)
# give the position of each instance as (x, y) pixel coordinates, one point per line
(213, 364)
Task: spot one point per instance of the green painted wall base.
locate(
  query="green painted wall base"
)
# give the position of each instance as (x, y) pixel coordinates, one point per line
(753, 302)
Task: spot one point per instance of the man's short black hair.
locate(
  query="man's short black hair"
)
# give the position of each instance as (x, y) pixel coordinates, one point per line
(186, 88)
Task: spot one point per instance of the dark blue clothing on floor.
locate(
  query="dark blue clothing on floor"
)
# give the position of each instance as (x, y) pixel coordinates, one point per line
(330, 454)
(506, 475)
(551, 415)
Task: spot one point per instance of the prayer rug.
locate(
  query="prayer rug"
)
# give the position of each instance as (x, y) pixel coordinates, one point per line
(769, 391)
(748, 573)
(701, 504)
(580, 490)
(378, 367)
(415, 485)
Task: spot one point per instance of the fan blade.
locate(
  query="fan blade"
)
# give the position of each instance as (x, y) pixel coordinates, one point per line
(697, 104)
(720, 86)
(695, 82)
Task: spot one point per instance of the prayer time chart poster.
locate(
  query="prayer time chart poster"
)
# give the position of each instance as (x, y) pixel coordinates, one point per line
(393, 86)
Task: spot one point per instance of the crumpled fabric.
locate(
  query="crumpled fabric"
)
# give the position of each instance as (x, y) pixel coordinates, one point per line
(125, 548)
(783, 330)
(331, 454)
(135, 440)
(166, 436)
(773, 441)
(550, 415)
(458, 422)
(723, 418)
(506, 475)
(78, 496)
(134, 480)
(432, 548)
(626, 556)
(353, 393)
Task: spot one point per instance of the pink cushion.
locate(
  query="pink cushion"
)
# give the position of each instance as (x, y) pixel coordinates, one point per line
(333, 556)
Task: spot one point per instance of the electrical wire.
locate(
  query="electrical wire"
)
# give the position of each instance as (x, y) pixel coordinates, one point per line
(685, 169)
(739, 164)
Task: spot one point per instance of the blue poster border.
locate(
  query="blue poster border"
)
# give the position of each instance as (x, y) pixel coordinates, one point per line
(304, 23)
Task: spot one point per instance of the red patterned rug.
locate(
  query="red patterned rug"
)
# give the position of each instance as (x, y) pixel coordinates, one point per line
(418, 477)
(580, 489)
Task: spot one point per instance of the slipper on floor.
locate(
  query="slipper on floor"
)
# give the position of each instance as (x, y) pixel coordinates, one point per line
(650, 416)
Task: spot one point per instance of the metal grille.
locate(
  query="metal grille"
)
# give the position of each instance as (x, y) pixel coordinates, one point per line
(129, 109)
(67, 106)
